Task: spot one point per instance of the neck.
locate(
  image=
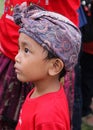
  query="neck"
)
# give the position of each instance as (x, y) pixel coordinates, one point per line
(45, 87)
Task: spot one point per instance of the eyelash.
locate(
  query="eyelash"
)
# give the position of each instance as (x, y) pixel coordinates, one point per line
(25, 49)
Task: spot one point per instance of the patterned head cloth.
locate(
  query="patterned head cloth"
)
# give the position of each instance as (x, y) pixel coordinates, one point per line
(52, 31)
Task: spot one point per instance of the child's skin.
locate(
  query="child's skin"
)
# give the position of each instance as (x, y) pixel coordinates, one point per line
(31, 65)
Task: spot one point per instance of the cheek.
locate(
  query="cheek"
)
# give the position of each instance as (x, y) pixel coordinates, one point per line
(24, 76)
(25, 69)
(28, 70)
(35, 72)
(32, 70)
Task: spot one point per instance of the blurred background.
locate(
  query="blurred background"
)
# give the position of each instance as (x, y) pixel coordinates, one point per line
(1, 6)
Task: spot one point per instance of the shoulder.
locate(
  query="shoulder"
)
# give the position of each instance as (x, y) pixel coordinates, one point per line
(54, 109)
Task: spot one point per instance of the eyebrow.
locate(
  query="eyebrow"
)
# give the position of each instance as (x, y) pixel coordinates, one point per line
(24, 42)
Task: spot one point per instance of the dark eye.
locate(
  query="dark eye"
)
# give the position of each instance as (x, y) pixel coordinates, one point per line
(26, 50)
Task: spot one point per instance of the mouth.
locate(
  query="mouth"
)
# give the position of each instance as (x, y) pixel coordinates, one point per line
(17, 71)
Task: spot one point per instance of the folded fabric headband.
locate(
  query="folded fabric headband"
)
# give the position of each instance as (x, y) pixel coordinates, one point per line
(50, 30)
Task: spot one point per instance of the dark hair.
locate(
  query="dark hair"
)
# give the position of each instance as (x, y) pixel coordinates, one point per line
(52, 55)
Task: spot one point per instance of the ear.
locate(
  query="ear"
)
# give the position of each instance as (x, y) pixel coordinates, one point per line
(56, 67)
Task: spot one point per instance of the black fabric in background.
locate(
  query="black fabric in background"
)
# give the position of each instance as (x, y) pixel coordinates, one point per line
(87, 30)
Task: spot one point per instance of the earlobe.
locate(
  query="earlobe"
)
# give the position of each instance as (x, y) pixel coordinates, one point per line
(56, 67)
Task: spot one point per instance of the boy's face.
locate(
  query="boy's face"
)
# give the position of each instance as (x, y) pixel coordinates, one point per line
(30, 64)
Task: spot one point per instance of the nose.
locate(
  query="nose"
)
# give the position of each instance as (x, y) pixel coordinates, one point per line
(17, 58)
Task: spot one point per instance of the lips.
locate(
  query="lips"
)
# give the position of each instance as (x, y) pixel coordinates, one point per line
(17, 70)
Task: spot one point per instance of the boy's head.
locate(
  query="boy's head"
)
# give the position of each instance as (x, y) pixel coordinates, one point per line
(54, 32)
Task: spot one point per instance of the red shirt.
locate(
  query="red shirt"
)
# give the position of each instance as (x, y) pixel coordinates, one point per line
(9, 31)
(47, 112)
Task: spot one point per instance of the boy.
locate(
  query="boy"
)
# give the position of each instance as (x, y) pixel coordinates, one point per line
(48, 47)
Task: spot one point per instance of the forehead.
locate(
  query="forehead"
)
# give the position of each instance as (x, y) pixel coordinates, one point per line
(25, 40)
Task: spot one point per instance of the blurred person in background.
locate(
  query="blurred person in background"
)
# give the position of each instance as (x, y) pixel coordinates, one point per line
(86, 62)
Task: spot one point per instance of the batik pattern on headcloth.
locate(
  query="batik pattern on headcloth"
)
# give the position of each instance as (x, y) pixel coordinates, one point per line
(51, 30)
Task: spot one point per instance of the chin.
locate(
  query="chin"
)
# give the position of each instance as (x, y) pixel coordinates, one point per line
(21, 79)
